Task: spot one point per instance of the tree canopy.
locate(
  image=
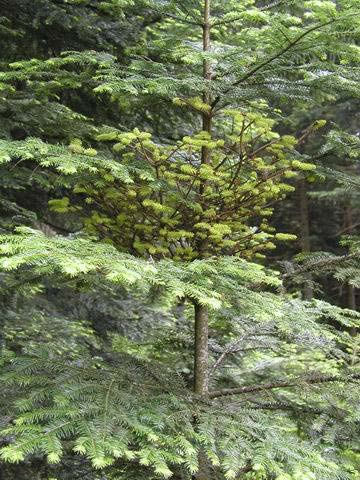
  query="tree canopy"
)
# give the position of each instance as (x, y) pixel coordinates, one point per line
(179, 250)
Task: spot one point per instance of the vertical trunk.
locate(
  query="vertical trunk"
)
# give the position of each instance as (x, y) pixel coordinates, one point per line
(206, 47)
(206, 116)
(201, 357)
(348, 226)
(351, 302)
(201, 313)
(201, 375)
(201, 353)
(351, 298)
(305, 231)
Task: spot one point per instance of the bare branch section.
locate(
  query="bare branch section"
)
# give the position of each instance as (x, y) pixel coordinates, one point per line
(282, 384)
(286, 406)
(272, 5)
(236, 347)
(181, 20)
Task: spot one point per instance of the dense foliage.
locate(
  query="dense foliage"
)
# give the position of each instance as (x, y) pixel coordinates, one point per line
(179, 257)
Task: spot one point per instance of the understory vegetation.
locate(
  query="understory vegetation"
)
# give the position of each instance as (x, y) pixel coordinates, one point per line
(179, 240)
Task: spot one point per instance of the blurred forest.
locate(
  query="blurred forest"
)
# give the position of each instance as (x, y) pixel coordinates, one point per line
(179, 239)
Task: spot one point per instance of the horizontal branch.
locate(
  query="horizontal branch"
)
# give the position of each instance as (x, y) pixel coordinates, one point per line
(286, 406)
(182, 20)
(282, 384)
(277, 55)
(321, 264)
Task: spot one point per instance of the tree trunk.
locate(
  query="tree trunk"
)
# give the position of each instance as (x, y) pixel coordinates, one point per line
(206, 116)
(351, 301)
(351, 294)
(201, 354)
(305, 232)
(201, 313)
(201, 364)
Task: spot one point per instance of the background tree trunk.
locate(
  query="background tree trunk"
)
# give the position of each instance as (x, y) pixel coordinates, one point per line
(350, 289)
(305, 232)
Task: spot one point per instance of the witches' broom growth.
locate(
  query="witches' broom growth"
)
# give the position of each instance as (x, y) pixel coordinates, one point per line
(180, 217)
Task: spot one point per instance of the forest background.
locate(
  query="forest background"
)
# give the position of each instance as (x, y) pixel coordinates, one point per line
(179, 215)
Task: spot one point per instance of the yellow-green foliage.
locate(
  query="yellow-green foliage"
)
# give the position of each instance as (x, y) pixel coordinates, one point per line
(180, 207)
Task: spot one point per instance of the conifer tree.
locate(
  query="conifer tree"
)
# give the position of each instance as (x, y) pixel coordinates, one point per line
(182, 215)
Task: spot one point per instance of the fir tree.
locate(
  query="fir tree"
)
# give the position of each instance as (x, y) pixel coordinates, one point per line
(180, 217)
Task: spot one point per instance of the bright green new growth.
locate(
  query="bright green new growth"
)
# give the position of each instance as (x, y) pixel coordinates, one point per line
(176, 219)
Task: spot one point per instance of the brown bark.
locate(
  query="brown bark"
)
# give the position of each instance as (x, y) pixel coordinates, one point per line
(351, 300)
(201, 313)
(201, 374)
(201, 354)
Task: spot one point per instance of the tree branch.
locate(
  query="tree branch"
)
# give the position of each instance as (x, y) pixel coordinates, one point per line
(179, 19)
(286, 406)
(323, 263)
(281, 384)
(272, 58)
